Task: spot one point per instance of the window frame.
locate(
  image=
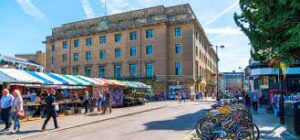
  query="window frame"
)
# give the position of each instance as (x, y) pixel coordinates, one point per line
(133, 73)
(65, 45)
(134, 37)
(178, 70)
(147, 70)
(119, 53)
(135, 51)
(180, 48)
(88, 41)
(115, 71)
(102, 53)
(87, 58)
(149, 33)
(177, 31)
(100, 71)
(102, 39)
(75, 60)
(76, 41)
(152, 49)
(116, 38)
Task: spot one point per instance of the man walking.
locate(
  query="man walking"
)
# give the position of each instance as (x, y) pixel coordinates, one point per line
(6, 103)
(50, 110)
(254, 101)
(86, 100)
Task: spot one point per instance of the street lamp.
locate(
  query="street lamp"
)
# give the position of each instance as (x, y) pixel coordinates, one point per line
(217, 75)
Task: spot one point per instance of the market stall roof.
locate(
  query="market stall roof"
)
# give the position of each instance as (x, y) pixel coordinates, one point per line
(21, 76)
(60, 79)
(102, 81)
(5, 78)
(76, 80)
(93, 81)
(115, 82)
(47, 79)
(133, 84)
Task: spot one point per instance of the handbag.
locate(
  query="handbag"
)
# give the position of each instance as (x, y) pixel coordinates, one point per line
(20, 113)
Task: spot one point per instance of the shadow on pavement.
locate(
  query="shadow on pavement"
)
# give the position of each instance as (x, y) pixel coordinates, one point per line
(180, 123)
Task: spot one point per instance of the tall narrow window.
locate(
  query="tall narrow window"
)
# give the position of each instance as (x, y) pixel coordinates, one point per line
(149, 49)
(87, 71)
(149, 70)
(178, 48)
(117, 70)
(118, 37)
(52, 60)
(75, 70)
(132, 70)
(177, 31)
(88, 56)
(65, 45)
(76, 43)
(178, 68)
(88, 41)
(132, 35)
(133, 51)
(117, 53)
(102, 39)
(53, 47)
(64, 57)
(102, 71)
(102, 54)
(76, 56)
(149, 33)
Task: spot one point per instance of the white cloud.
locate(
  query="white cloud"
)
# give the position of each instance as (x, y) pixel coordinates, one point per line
(31, 9)
(88, 11)
(221, 13)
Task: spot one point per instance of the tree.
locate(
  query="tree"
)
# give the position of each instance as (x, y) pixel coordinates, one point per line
(273, 28)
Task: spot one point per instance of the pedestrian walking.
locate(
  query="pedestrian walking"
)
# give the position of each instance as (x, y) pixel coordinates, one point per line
(247, 101)
(183, 96)
(50, 110)
(254, 101)
(17, 110)
(86, 100)
(6, 103)
(99, 101)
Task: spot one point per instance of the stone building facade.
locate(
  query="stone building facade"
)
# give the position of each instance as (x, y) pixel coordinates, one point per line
(160, 46)
(39, 57)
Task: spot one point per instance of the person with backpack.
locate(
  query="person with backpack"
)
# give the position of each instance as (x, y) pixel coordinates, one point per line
(254, 100)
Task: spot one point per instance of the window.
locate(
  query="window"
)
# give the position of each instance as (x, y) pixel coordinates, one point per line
(149, 33)
(102, 71)
(117, 53)
(196, 51)
(75, 70)
(64, 57)
(102, 39)
(117, 70)
(76, 43)
(178, 48)
(133, 51)
(87, 71)
(118, 37)
(76, 56)
(88, 41)
(149, 70)
(65, 45)
(178, 68)
(132, 35)
(150, 19)
(132, 70)
(53, 47)
(149, 49)
(52, 60)
(88, 56)
(64, 71)
(102, 54)
(177, 31)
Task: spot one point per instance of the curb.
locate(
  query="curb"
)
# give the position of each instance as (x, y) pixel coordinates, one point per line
(89, 123)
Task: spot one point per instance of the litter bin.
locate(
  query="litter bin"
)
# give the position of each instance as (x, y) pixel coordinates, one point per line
(292, 115)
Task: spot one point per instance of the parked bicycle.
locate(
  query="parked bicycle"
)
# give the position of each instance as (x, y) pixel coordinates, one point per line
(227, 120)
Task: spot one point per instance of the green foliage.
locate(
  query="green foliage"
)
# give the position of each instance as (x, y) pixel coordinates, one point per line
(273, 28)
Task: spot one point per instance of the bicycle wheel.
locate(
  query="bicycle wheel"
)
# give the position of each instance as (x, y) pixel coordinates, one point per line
(248, 132)
(207, 127)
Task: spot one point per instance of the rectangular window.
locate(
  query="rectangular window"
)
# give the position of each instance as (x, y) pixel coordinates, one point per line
(64, 57)
(149, 49)
(75, 70)
(88, 41)
(178, 68)
(118, 37)
(65, 45)
(87, 71)
(117, 53)
(149, 70)
(102, 39)
(117, 70)
(64, 71)
(149, 33)
(132, 70)
(150, 19)
(132, 35)
(76, 56)
(102, 71)
(177, 31)
(102, 54)
(133, 51)
(178, 48)
(76, 43)
(88, 55)
(52, 60)
(53, 47)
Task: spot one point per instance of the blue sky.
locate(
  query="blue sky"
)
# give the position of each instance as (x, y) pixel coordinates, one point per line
(24, 24)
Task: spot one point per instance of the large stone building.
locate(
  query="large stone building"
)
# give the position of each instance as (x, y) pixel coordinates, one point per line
(19, 63)
(160, 45)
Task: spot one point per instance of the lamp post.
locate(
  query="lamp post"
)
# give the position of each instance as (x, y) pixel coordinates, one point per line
(217, 75)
